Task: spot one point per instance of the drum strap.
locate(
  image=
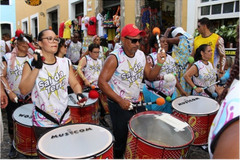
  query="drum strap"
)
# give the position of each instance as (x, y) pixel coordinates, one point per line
(156, 91)
(49, 117)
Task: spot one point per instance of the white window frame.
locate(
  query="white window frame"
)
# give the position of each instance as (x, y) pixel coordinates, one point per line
(23, 21)
(221, 15)
(32, 25)
(57, 7)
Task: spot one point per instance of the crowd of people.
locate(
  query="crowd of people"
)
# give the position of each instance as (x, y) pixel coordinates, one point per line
(43, 77)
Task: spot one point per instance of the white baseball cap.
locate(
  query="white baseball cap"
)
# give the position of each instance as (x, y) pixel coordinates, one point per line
(177, 30)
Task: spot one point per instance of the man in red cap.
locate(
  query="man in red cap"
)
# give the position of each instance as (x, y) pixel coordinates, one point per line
(120, 80)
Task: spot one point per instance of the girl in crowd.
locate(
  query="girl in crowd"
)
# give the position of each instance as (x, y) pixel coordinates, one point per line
(12, 73)
(92, 66)
(47, 77)
(223, 140)
(162, 86)
(103, 51)
(62, 49)
(202, 73)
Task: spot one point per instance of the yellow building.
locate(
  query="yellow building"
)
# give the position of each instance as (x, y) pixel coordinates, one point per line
(50, 13)
(33, 19)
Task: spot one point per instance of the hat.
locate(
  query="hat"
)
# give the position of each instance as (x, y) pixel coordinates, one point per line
(177, 30)
(131, 30)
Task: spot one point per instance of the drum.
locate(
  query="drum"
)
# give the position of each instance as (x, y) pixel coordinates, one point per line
(103, 99)
(86, 114)
(79, 79)
(76, 141)
(24, 139)
(199, 112)
(157, 135)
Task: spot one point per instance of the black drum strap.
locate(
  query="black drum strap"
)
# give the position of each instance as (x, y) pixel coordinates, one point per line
(49, 117)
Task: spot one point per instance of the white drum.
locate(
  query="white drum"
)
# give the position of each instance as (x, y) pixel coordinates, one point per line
(76, 141)
(86, 114)
(199, 112)
(24, 139)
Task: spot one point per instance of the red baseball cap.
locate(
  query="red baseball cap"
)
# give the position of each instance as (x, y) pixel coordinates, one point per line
(131, 30)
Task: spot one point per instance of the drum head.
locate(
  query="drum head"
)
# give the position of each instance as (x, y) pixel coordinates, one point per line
(72, 99)
(195, 105)
(23, 114)
(75, 141)
(161, 129)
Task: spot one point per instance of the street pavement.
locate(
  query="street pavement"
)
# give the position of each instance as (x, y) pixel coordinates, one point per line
(193, 153)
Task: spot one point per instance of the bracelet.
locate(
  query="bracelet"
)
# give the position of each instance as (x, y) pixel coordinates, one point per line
(159, 64)
(194, 87)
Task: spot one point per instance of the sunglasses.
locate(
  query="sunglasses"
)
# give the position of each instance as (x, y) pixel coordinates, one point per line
(134, 40)
(198, 26)
(65, 46)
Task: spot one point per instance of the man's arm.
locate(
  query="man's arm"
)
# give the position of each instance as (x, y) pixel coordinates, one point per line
(107, 72)
(221, 51)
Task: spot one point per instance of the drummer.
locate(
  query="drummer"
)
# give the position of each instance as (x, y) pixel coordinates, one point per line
(92, 65)
(202, 73)
(48, 84)
(162, 86)
(120, 80)
(12, 73)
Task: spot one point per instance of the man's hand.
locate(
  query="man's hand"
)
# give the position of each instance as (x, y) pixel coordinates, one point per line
(124, 104)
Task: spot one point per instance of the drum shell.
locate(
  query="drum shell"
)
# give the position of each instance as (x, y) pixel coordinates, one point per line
(138, 148)
(200, 123)
(24, 139)
(104, 153)
(86, 114)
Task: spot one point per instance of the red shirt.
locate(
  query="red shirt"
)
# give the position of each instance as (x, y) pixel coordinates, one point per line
(92, 27)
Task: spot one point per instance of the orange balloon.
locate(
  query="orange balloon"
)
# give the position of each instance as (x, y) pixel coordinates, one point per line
(93, 87)
(160, 101)
(156, 30)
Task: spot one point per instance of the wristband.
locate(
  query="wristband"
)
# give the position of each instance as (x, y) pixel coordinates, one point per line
(194, 87)
(160, 64)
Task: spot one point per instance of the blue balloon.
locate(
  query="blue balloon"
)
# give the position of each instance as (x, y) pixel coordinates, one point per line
(214, 94)
(105, 36)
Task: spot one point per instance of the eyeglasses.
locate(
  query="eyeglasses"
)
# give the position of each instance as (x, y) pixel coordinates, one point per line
(51, 39)
(134, 40)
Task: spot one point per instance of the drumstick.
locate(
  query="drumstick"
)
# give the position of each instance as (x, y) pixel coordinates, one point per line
(19, 33)
(156, 31)
(160, 101)
(222, 81)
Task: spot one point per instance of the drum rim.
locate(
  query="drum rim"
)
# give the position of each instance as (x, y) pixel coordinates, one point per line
(77, 106)
(155, 145)
(197, 114)
(91, 156)
(15, 120)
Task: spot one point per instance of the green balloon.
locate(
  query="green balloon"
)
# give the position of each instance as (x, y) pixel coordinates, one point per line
(190, 59)
(168, 98)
